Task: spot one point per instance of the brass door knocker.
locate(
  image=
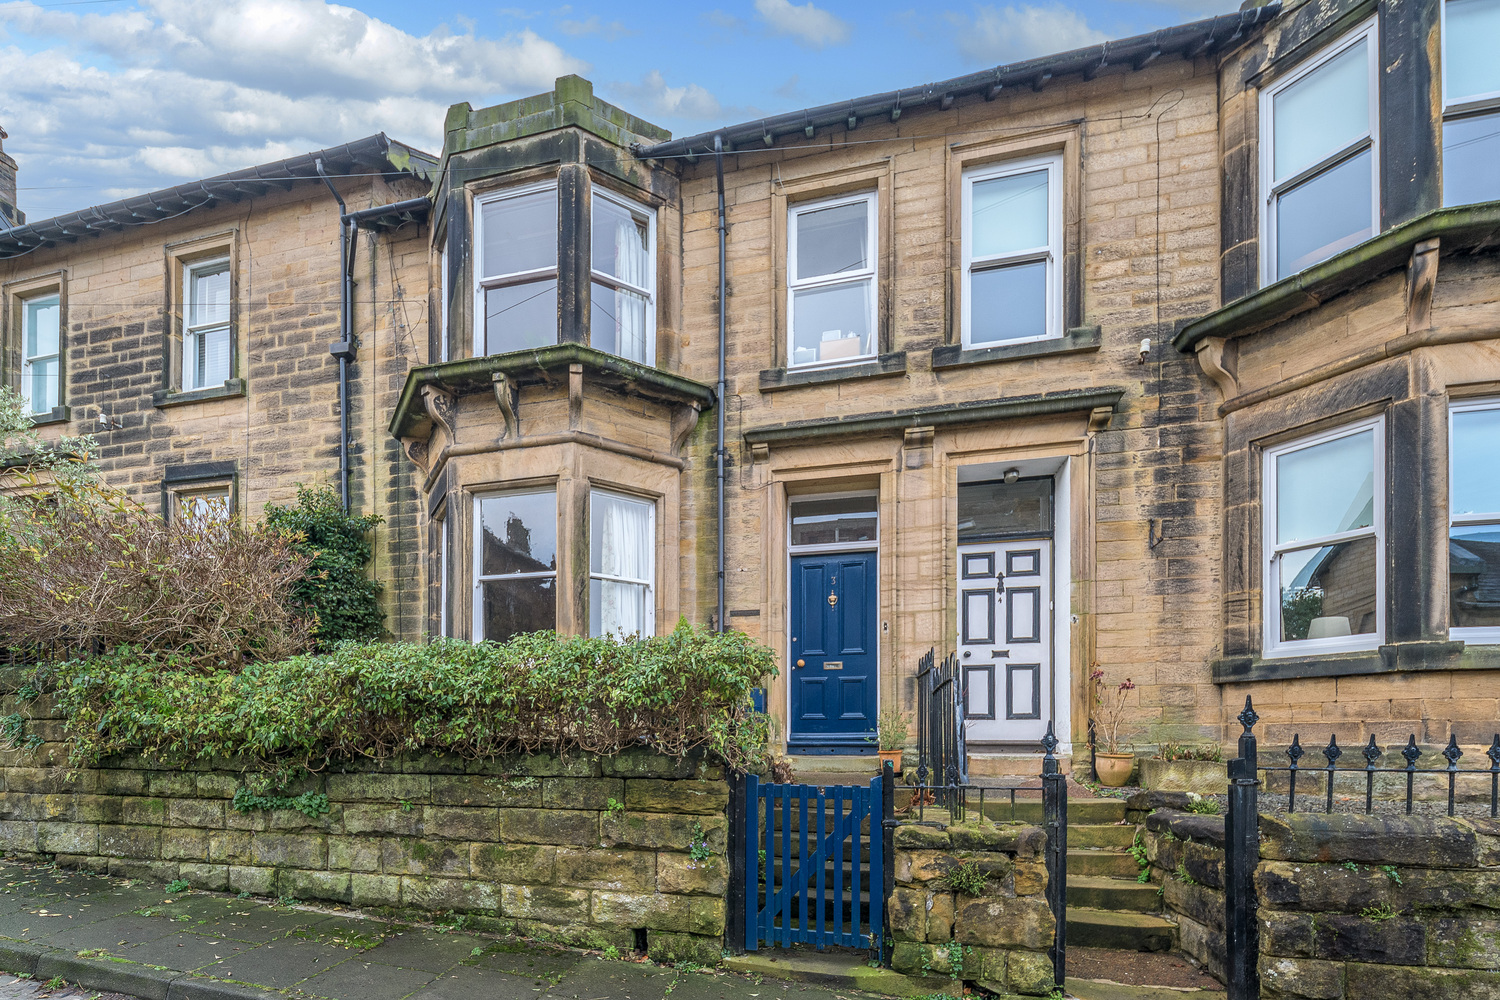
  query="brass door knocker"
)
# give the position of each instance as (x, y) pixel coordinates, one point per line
(833, 598)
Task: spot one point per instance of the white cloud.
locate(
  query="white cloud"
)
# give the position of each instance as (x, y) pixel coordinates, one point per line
(135, 100)
(809, 25)
(689, 102)
(1007, 34)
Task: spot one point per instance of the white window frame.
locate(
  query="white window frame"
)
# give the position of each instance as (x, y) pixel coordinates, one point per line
(610, 280)
(483, 282)
(27, 360)
(650, 581)
(1051, 253)
(1271, 191)
(1469, 105)
(1272, 645)
(869, 275)
(189, 270)
(481, 578)
(1482, 634)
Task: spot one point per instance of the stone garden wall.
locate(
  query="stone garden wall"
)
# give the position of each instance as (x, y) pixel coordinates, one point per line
(582, 850)
(1186, 855)
(998, 938)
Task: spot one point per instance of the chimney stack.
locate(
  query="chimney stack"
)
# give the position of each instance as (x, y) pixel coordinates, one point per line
(10, 215)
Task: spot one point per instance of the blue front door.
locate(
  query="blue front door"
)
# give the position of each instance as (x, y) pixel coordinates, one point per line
(832, 662)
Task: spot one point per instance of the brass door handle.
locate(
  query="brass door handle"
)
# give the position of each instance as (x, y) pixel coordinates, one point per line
(801, 663)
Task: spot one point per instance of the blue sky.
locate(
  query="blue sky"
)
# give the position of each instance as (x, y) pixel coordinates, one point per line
(107, 98)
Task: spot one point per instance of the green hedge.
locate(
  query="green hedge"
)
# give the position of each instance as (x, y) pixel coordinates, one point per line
(541, 692)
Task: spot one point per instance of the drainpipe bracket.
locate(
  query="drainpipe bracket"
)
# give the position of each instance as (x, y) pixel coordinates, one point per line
(343, 350)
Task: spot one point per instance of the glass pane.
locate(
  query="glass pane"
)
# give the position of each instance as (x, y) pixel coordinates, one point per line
(199, 510)
(832, 324)
(1474, 577)
(520, 234)
(518, 317)
(214, 356)
(827, 522)
(1329, 591)
(41, 327)
(617, 608)
(1475, 462)
(620, 537)
(510, 607)
(39, 384)
(617, 322)
(1324, 215)
(1471, 152)
(1323, 112)
(833, 240)
(518, 534)
(997, 508)
(621, 243)
(1326, 489)
(208, 295)
(1008, 303)
(1009, 214)
(1473, 35)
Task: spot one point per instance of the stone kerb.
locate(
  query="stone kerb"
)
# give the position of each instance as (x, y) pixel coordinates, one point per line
(581, 850)
(998, 938)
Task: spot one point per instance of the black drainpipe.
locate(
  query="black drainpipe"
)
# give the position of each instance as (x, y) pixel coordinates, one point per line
(344, 348)
(719, 392)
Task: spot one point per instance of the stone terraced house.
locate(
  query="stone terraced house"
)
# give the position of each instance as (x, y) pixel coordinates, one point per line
(1178, 355)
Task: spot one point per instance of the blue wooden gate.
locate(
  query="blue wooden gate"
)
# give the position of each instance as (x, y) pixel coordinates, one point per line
(814, 864)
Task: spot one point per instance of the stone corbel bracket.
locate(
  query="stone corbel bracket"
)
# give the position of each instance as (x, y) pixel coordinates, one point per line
(508, 396)
(1219, 359)
(684, 419)
(416, 450)
(441, 407)
(1421, 280)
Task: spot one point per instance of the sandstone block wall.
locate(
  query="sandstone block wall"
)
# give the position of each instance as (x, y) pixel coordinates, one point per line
(999, 938)
(581, 850)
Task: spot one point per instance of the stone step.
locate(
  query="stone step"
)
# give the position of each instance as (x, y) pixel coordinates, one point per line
(1105, 893)
(1008, 765)
(1086, 989)
(1100, 835)
(847, 970)
(1112, 863)
(1094, 928)
(1029, 810)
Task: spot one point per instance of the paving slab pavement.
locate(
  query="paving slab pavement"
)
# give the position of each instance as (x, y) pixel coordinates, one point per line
(133, 938)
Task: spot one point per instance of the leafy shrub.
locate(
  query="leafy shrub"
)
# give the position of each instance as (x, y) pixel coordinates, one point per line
(85, 567)
(1211, 752)
(672, 693)
(335, 586)
(966, 877)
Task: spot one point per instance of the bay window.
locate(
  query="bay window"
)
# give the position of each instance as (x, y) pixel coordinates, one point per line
(622, 310)
(1319, 157)
(516, 270)
(1324, 571)
(1474, 521)
(1012, 249)
(41, 353)
(831, 280)
(207, 344)
(1471, 101)
(515, 564)
(622, 565)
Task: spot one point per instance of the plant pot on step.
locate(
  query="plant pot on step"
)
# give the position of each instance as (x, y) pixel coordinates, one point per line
(1114, 768)
(893, 756)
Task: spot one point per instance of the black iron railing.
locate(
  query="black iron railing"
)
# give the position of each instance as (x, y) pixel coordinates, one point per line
(941, 756)
(1325, 775)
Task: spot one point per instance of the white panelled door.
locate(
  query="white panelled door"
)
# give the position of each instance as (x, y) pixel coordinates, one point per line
(1005, 639)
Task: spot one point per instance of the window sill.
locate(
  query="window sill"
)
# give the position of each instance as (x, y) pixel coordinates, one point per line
(1080, 338)
(1403, 657)
(163, 398)
(56, 415)
(776, 379)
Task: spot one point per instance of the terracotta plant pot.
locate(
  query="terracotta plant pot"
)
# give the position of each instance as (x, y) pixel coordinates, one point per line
(894, 756)
(1114, 768)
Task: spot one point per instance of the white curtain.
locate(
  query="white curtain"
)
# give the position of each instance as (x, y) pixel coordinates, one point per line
(631, 264)
(622, 555)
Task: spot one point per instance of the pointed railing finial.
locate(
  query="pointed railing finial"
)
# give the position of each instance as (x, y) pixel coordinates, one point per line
(1248, 718)
(1050, 742)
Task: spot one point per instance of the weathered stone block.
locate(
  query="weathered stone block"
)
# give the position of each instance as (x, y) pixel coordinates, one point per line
(548, 904)
(301, 884)
(256, 881)
(17, 835)
(907, 914)
(159, 871)
(290, 850)
(581, 793)
(653, 795)
(640, 763)
(354, 854)
(1463, 943)
(678, 873)
(130, 841)
(690, 914)
(661, 831)
(374, 890)
(546, 765)
(232, 846)
(522, 864)
(414, 856)
(98, 809)
(1029, 973)
(206, 813)
(926, 866)
(1199, 902)
(921, 838)
(217, 785)
(144, 811)
(214, 878)
(113, 781)
(449, 894)
(1353, 938)
(67, 838)
(1302, 978)
(383, 787)
(37, 806)
(1030, 878)
(171, 784)
(601, 868)
(550, 826)
(1390, 982)
(384, 817)
(184, 844)
(487, 790)
(1414, 841)
(664, 946)
(1002, 922)
(460, 823)
(940, 915)
(1020, 840)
